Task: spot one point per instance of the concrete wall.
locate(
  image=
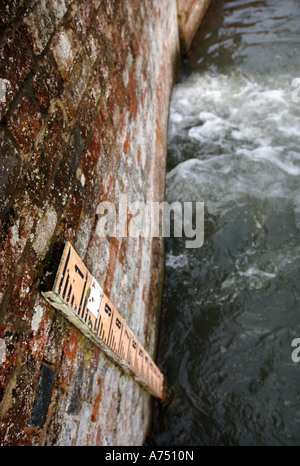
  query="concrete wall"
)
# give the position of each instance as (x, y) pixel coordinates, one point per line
(84, 98)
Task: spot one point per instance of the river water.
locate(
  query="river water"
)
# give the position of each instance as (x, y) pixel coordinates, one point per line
(231, 307)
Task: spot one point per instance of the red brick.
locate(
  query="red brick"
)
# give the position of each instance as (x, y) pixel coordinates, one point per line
(101, 71)
(13, 340)
(100, 24)
(114, 244)
(96, 405)
(40, 21)
(25, 289)
(57, 338)
(138, 156)
(93, 151)
(63, 185)
(45, 157)
(88, 107)
(112, 412)
(71, 218)
(17, 414)
(95, 4)
(16, 61)
(91, 199)
(63, 52)
(74, 23)
(44, 230)
(45, 84)
(10, 169)
(93, 47)
(134, 46)
(131, 98)
(77, 84)
(159, 135)
(129, 218)
(40, 327)
(9, 9)
(67, 42)
(86, 11)
(145, 293)
(100, 435)
(126, 144)
(122, 252)
(25, 124)
(15, 229)
(70, 351)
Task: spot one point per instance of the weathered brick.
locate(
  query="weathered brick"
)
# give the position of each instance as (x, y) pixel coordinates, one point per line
(88, 107)
(15, 64)
(93, 151)
(63, 186)
(77, 390)
(57, 337)
(10, 169)
(16, 227)
(43, 160)
(77, 83)
(95, 4)
(91, 198)
(93, 47)
(45, 83)
(108, 405)
(91, 374)
(114, 100)
(40, 327)
(100, 23)
(44, 230)
(25, 124)
(101, 70)
(12, 341)
(41, 19)
(112, 378)
(25, 289)
(110, 8)
(114, 245)
(9, 9)
(97, 257)
(63, 52)
(96, 406)
(69, 356)
(71, 217)
(13, 426)
(131, 98)
(83, 234)
(73, 22)
(86, 11)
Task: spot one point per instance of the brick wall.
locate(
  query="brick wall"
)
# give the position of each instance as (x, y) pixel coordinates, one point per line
(84, 96)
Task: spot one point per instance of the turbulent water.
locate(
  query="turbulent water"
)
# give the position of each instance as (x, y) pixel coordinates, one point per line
(231, 307)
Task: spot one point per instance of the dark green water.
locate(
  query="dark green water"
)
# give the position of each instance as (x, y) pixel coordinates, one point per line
(232, 307)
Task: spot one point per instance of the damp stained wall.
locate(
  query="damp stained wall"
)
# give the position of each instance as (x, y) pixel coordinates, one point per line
(190, 15)
(85, 87)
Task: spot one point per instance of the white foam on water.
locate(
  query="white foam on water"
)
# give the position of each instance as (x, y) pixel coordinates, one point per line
(176, 262)
(253, 271)
(247, 133)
